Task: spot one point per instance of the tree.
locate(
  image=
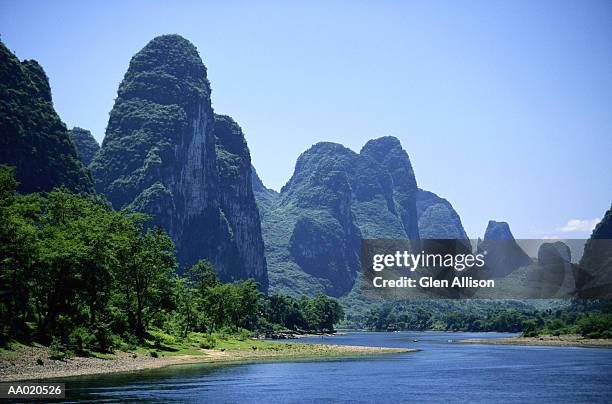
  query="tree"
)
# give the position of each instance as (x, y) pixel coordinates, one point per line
(149, 262)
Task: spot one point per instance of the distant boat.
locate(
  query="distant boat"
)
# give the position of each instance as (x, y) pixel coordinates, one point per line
(415, 340)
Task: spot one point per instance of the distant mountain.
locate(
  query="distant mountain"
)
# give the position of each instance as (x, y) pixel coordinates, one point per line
(265, 196)
(437, 218)
(388, 152)
(85, 144)
(336, 197)
(595, 275)
(503, 254)
(33, 138)
(167, 154)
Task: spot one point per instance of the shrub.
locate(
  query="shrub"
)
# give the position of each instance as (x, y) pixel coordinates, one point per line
(104, 340)
(80, 340)
(209, 342)
(160, 338)
(243, 335)
(57, 350)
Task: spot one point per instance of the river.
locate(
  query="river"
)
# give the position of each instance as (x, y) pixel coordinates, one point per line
(443, 371)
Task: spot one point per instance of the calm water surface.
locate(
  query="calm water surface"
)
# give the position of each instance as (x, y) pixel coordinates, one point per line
(442, 372)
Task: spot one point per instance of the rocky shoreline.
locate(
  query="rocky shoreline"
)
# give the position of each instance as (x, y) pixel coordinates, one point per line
(547, 340)
(33, 363)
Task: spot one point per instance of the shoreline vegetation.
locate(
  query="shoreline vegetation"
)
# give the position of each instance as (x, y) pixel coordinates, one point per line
(33, 363)
(568, 340)
(85, 280)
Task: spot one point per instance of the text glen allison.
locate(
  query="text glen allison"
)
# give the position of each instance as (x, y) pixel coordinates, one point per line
(429, 282)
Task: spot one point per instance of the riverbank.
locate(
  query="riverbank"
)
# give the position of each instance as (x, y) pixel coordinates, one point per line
(546, 340)
(32, 362)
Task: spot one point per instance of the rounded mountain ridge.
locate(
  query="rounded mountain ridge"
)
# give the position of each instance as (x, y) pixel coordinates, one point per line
(383, 142)
(168, 70)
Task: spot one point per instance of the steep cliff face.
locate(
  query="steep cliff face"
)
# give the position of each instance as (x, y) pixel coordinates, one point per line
(32, 136)
(159, 157)
(436, 217)
(336, 197)
(237, 200)
(388, 152)
(85, 144)
(324, 239)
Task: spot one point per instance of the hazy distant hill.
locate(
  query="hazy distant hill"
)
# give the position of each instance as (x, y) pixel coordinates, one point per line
(85, 143)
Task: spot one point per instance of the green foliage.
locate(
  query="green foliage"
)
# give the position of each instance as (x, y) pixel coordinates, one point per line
(159, 158)
(336, 197)
(57, 350)
(579, 317)
(85, 144)
(304, 314)
(209, 342)
(34, 139)
(151, 115)
(596, 325)
(78, 275)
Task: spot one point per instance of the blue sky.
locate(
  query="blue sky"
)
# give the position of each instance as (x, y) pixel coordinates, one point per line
(505, 107)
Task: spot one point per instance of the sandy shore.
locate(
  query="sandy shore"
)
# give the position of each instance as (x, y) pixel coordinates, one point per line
(24, 363)
(547, 340)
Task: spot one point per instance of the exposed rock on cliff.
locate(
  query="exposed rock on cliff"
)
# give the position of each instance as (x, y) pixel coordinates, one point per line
(33, 137)
(159, 156)
(237, 200)
(85, 144)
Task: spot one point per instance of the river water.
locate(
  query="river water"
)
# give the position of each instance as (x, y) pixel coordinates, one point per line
(443, 371)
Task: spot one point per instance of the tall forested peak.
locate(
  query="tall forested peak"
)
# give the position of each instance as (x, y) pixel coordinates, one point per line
(322, 177)
(381, 146)
(335, 198)
(85, 143)
(167, 154)
(389, 153)
(33, 138)
(39, 78)
(168, 70)
(322, 155)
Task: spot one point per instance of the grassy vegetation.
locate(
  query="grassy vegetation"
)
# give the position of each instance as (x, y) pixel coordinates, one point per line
(225, 346)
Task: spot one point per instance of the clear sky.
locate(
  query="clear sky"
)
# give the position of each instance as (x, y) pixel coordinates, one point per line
(505, 107)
